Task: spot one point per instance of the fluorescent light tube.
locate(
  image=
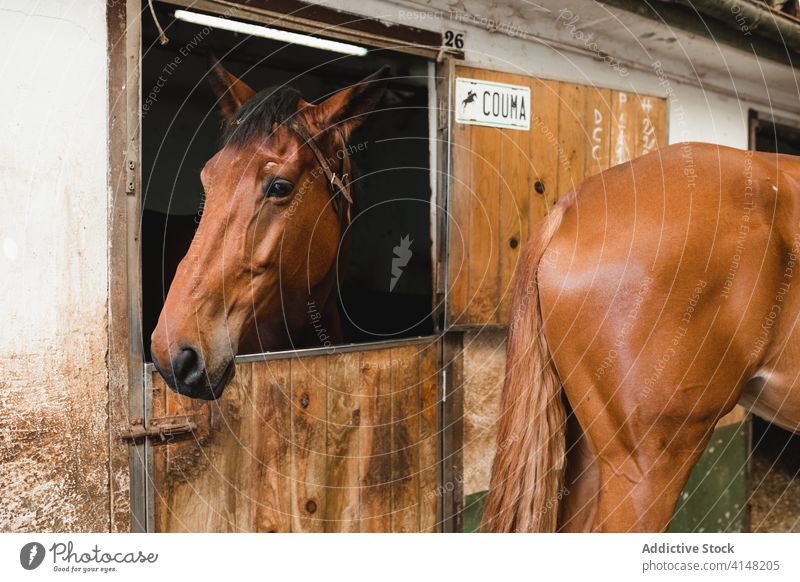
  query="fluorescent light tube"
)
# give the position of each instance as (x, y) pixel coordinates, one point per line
(271, 33)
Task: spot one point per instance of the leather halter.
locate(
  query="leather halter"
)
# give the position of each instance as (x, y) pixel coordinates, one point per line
(338, 183)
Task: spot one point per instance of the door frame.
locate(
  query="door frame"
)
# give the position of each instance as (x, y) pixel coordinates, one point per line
(129, 392)
(124, 356)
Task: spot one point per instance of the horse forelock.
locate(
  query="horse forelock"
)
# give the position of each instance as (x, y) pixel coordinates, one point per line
(256, 117)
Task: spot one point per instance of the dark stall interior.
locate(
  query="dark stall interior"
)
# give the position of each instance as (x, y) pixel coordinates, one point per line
(181, 131)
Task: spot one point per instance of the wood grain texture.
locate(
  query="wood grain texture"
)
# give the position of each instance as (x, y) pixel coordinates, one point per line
(597, 118)
(483, 255)
(504, 181)
(544, 149)
(405, 431)
(270, 443)
(342, 483)
(341, 442)
(572, 136)
(429, 440)
(458, 213)
(375, 442)
(309, 455)
(512, 228)
(623, 127)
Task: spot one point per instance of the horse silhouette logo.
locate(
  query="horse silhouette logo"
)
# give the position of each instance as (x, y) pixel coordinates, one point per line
(402, 254)
(31, 555)
(471, 96)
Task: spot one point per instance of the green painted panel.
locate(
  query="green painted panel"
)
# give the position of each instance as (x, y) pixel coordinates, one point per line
(473, 510)
(714, 499)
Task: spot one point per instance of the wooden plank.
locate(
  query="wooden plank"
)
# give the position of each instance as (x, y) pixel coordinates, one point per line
(124, 357)
(405, 430)
(458, 234)
(661, 116)
(159, 459)
(572, 137)
(345, 442)
(207, 478)
(271, 446)
(309, 456)
(623, 127)
(180, 467)
(342, 491)
(598, 125)
(513, 211)
(453, 433)
(232, 456)
(544, 149)
(375, 441)
(646, 124)
(429, 496)
(483, 255)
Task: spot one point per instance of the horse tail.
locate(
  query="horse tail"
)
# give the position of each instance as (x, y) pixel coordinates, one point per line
(528, 469)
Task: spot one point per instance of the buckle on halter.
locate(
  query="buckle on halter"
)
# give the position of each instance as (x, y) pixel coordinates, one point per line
(341, 186)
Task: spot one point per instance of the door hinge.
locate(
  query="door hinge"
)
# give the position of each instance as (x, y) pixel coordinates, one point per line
(160, 431)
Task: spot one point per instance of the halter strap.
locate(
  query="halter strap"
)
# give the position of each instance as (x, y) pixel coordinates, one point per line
(339, 184)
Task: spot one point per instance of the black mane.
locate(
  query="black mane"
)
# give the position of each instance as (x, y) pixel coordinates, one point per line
(259, 113)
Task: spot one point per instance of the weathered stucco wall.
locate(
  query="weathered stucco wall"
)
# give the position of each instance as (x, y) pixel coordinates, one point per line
(53, 258)
(484, 363)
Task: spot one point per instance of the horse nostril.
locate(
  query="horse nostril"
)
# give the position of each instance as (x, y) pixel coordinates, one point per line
(186, 366)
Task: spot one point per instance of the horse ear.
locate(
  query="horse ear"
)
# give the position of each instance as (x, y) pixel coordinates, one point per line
(347, 108)
(230, 91)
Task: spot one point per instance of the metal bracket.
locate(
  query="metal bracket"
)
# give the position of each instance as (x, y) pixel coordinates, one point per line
(130, 178)
(160, 431)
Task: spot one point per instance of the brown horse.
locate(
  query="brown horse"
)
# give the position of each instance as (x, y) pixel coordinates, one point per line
(651, 300)
(260, 273)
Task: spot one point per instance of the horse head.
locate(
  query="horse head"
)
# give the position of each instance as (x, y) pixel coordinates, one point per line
(277, 203)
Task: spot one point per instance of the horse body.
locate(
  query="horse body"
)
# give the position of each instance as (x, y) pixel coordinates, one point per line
(657, 295)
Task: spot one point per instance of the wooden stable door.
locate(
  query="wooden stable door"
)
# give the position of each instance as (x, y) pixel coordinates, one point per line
(504, 180)
(326, 442)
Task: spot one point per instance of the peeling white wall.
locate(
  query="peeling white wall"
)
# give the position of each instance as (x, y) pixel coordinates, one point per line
(53, 266)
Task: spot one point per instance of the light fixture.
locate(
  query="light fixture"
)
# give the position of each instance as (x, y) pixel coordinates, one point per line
(271, 33)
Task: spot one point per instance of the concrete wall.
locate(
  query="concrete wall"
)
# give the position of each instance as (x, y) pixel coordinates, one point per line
(54, 439)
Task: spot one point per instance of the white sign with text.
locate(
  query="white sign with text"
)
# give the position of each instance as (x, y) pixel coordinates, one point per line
(493, 104)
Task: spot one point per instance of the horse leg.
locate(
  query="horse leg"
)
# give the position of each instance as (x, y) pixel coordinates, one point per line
(640, 487)
(775, 401)
(581, 482)
(646, 444)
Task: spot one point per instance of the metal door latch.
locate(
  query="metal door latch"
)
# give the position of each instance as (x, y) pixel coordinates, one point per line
(160, 430)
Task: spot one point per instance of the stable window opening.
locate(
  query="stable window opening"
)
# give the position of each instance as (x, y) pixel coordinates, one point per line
(385, 284)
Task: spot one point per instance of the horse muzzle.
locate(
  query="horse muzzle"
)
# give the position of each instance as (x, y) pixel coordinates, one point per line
(186, 374)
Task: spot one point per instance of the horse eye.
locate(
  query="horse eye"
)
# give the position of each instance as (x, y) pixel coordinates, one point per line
(277, 187)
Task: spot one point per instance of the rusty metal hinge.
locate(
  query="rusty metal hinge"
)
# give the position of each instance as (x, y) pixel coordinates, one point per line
(160, 431)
